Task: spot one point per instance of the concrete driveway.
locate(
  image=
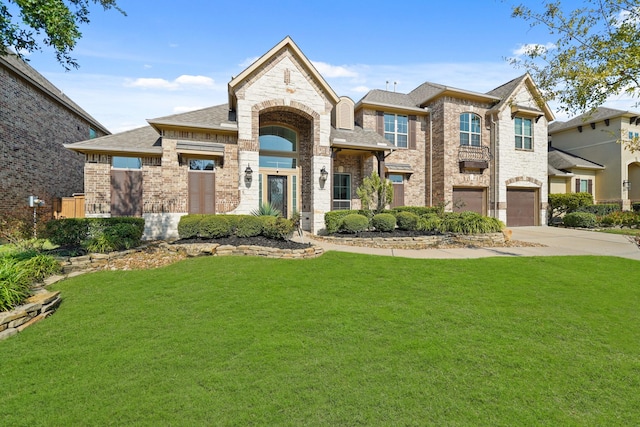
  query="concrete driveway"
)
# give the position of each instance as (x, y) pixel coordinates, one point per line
(556, 241)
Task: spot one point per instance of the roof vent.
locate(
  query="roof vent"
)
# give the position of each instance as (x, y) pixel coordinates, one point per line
(343, 113)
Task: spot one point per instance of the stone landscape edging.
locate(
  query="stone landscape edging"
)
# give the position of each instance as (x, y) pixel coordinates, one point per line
(40, 305)
(419, 242)
(215, 249)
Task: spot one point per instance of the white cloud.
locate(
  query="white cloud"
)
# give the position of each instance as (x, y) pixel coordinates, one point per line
(179, 83)
(184, 109)
(360, 89)
(328, 70)
(525, 49)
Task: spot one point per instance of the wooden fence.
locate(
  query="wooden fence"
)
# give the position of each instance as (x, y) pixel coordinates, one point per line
(69, 207)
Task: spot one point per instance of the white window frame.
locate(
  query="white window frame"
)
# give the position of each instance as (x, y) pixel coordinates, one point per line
(394, 132)
(470, 132)
(520, 137)
(343, 203)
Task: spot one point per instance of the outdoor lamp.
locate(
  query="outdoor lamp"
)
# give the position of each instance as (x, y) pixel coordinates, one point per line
(626, 184)
(248, 173)
(324, 174)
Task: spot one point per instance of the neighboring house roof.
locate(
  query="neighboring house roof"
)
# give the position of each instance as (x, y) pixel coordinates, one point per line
(218, 117)
(561, 162)
(145, 140)
(597, 115)
(359, 138)
(286, 43)
(20, 67)
(551, 171)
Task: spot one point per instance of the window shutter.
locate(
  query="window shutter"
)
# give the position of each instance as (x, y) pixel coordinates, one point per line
(590, 187)
(380, 122)
(577, 185)
(412, 132)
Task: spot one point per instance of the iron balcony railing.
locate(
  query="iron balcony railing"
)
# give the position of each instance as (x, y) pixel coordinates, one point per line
(469, 153)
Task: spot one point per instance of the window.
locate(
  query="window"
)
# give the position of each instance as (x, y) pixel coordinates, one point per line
(126, 162)
(396, 129)
(633, 135)
(523, 132)
(396, 178)
(470, 129)
(278, 147)
(584, 186)
(92, 133)
(202, 165)
(341, 191)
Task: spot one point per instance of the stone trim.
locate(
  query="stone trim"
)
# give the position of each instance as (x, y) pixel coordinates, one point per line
(523, 178)
(418, 242)
(37, 307)
(214, 249)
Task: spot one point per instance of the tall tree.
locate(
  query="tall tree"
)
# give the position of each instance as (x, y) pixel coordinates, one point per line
(53, 23)
(596, 54)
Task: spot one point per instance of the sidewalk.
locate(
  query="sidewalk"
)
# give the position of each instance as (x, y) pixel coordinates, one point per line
(556, 241)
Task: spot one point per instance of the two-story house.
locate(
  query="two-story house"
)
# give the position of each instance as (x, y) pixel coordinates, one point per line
(601, 137)
(287, 138)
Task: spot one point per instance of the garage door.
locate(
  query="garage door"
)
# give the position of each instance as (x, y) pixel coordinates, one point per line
(469, 199)
(521, 207)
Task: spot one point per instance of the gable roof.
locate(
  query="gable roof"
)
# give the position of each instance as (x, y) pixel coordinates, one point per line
(143, 140)
(428, 91)
(563, 161)
(24, 70)
(386, 99)
(217, 117)
(505, 91)
(597, 115)
(286, 44)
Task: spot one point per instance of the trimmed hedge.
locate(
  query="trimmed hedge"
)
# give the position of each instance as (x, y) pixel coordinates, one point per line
(580, 219)
(470, 223)
(248, 226)
(354, 223)
(420, 210)
(277, 228)
(333, 219)
(189, 226)
(221, 225)
(96, 234)
(385, 222)
(621, 219)
(407, 220)
(563, 203)
(215, 226)
(600, 210)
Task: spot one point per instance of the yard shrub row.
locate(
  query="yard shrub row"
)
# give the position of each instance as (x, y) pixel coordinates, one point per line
(563, 203)
(616, 218)
(18, 271)
(411, 218)
(96, 234)
(220, 225)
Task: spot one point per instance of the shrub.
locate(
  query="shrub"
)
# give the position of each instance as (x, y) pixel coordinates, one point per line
(470, 223)
(407, 220)
(354, 223)
(189, 226)
(17, 273)
(385, 222)
(580, 219)
(276, 227)
(600, 210)
(420, 210)
(214, 226)
(635, 207)
(67, 232)
(265, 209)
(248, 226)
(562, 203)
(621, 219)
(333, 220)
(429, 223)
(234, 220)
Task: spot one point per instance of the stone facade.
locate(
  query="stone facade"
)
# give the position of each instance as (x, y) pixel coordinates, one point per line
(36, 119)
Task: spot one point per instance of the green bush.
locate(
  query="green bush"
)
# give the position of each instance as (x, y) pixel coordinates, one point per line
(385, 222)
(67, 232)
(407, 220)
(333, 220)
(248, 226)
(562, 203)
(354, 223)
(600, 210)
(214, 227)
(621, 219)
(266, 209)
(635, 207)
(18, 271)
(431, 223)
(276, 227)
(420, 210)
(189, 226)
(580, 219)
(470, 223)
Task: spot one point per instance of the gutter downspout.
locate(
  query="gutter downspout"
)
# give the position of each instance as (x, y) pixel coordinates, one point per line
(428, 110)
(496, 140)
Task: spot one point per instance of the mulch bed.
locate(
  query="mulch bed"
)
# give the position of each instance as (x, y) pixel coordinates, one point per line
(249, 241)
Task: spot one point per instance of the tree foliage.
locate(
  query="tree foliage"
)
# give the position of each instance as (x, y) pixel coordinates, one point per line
(54, 23)
(596, 54)
(375, 193)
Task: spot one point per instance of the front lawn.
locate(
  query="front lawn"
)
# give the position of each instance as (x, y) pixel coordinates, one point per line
(343, 339)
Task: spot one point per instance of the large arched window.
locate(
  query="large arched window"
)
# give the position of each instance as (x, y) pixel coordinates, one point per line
(278, 147)
(470, 129)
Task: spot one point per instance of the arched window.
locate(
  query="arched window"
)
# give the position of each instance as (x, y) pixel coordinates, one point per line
(470, 129)
(278, 147)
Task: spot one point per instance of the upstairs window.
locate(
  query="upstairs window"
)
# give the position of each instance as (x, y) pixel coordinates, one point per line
(126, 162)
(202, 164)
(278, 147)
(524, 133)
(396, 129)
(470, 129)
(92, 133)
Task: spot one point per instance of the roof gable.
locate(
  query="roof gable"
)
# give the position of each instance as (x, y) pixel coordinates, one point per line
(509, 91)
(599, 114)
(286, 44)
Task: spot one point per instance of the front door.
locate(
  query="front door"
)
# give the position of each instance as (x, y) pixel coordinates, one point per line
(277, 192)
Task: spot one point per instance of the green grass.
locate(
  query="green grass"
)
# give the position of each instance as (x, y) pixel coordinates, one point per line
(623, 231)
(344, 339)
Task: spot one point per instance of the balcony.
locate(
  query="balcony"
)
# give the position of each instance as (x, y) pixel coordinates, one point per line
(473, 158)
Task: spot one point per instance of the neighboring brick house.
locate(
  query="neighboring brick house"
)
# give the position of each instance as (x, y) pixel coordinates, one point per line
(36, 119)
(602, 136)
(286, 137)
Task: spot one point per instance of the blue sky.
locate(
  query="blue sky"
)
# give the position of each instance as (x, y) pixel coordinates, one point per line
(169, 56)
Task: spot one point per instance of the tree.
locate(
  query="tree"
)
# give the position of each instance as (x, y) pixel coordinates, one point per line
(596, 54)
(55, 22)
(375, 193)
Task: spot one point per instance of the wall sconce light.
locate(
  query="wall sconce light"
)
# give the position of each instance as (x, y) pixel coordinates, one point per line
(626, 185)
(248, 174)
(324, 174)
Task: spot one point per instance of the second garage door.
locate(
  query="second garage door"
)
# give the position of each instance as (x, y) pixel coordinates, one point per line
(521, 207)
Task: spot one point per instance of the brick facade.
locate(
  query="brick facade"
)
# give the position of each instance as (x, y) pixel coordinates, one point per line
(36, 119)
